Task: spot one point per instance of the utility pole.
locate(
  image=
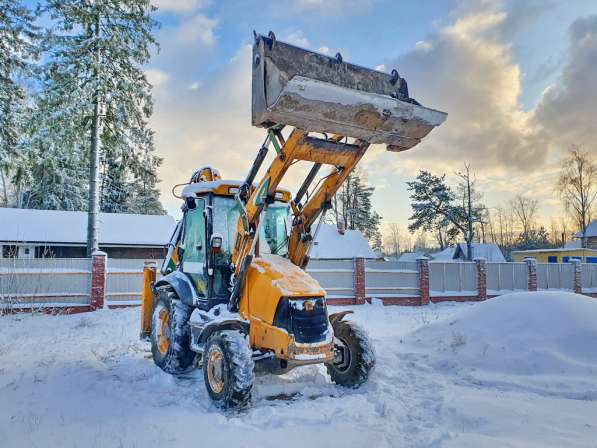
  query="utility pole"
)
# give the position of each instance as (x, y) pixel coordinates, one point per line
(94, 154)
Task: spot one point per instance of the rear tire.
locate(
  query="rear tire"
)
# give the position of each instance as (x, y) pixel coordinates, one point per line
(357, 356)
(171, 333)
(228, 369)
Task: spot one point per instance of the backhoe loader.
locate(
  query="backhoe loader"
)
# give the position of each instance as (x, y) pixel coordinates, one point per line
(234, 296)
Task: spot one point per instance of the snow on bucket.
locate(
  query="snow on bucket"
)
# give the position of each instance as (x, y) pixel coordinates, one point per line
(318, 93)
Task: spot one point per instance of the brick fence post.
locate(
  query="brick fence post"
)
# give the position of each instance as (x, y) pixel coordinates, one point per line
(359, 281)
(531, 273)
(577, 272)
(481, 278)
(423, 267)
(98, 279)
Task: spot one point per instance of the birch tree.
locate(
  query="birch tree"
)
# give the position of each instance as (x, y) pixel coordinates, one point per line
(577, 186)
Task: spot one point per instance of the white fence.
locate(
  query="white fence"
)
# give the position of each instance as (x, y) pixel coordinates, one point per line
(446, 279)
(391, 279)
(124, 281)
(555, 276)
(503, 278)
(60, 282)
(589, 278)
(30, 283)
(335, 276)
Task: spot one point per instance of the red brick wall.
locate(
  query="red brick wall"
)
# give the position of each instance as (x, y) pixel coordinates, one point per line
(481, 279)
(359, 281)
(98, 280)
(423, 266)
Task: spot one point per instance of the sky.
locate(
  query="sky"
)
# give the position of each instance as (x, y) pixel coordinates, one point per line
(517, 79)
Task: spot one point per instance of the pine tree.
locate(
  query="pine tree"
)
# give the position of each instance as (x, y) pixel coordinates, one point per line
(17, 48)
(436, 207)
(354, 209)
(145, 199)
(97, 50)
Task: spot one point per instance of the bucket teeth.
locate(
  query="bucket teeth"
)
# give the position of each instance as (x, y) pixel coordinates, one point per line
(318, 93)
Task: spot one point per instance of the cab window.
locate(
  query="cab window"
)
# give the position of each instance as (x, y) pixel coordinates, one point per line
(193, 258)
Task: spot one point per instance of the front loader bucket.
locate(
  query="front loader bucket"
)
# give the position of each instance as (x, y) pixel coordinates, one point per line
(318, 93)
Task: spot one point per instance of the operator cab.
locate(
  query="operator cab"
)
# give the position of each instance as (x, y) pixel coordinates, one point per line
(208, 228)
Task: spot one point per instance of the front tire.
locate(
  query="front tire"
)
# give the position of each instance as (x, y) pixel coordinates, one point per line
(355, 356)
(171, 333)
(228, 369)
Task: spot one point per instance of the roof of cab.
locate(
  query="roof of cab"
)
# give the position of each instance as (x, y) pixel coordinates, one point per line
(225, 187)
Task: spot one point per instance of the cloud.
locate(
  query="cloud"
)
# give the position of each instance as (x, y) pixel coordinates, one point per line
(178, 6)
(467, 70)
(423, 45)
(337, 6)
(199, 29)
(156, 77)
(298, 38)
(210, 126)
(567, 109)
(207, 126)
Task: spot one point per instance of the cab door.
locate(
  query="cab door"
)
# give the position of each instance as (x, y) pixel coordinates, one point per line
(193, 258)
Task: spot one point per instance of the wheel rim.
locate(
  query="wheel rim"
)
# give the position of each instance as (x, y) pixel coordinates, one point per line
(215, 370)
(164, 331)
(344, 363)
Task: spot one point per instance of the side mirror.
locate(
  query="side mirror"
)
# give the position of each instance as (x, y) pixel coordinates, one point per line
(190, 203)
(216, 243)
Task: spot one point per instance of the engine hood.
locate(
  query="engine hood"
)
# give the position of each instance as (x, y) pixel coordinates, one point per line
(291, 280)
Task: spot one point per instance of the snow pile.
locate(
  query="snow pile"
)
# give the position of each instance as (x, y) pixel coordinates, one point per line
(329, 244)
(530, 337)
(516, 371)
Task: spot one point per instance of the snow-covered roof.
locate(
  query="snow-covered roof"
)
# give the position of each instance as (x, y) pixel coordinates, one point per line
(488, 251)
(556, 249)
(412, 256)
(55, 226)
(445, 255)
(574, 244)
(591, 231)
(331, 244)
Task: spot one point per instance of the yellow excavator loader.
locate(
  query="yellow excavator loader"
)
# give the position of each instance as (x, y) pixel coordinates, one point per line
(234, 296)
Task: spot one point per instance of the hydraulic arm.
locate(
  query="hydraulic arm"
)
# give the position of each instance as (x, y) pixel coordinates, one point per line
(300, 146)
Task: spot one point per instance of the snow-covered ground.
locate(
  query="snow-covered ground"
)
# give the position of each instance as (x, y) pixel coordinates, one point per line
(519, 370)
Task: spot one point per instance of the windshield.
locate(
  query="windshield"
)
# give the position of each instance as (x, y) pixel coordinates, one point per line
(225, 218)
(273, 237)
(274, 229)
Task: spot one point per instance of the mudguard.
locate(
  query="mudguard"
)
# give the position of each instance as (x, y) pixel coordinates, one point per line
(207, 330)
(182, 285)
(339, 316)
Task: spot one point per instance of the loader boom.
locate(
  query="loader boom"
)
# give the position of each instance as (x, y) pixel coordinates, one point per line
(343, 157)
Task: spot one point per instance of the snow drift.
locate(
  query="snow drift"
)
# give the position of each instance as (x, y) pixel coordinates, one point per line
(533, 335)
(516, 371)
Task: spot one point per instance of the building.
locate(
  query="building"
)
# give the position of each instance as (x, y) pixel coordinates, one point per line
(557, 255)
(334, 243)
(488, 251)
(26, 233)
(590, 239)
(412, 256)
